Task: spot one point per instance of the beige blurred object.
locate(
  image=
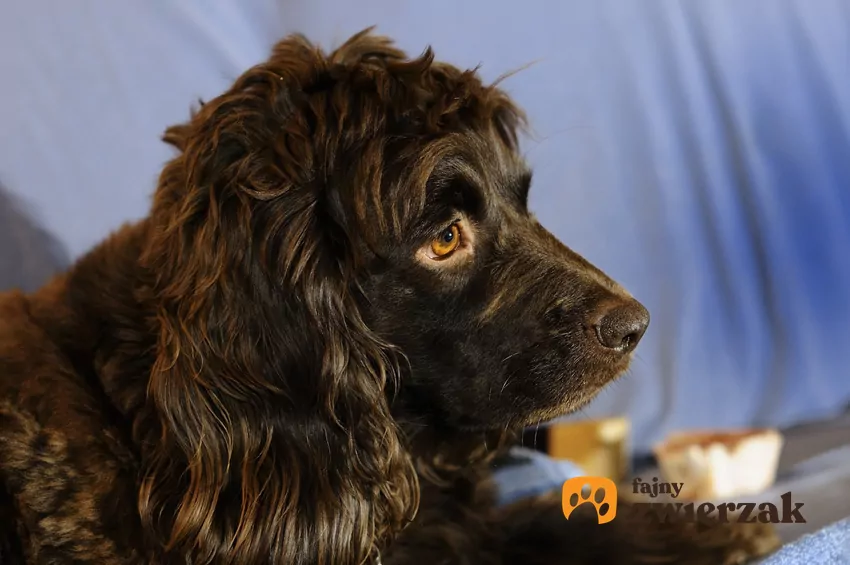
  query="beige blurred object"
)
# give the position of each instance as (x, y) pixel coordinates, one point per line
(713, 464)
(599, 447)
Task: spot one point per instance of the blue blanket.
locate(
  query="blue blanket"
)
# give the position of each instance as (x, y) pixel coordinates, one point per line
(829, 546)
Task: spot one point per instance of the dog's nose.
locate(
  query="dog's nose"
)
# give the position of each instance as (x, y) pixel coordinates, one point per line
(620, 326)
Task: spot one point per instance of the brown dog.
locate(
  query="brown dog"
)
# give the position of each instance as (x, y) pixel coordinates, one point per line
(337, 310)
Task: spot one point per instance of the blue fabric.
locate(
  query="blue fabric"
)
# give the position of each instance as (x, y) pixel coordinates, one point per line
(28, 255)
(696, 151)
(531, 473)
(829, 546)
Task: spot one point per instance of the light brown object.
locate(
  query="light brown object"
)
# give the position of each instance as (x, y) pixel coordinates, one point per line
(599, 447)
(720, 464)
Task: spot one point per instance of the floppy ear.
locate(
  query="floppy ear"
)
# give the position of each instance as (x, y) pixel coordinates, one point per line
(269, 436)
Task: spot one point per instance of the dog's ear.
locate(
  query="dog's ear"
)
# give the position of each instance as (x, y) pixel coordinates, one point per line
(269, 436)
(176, 135)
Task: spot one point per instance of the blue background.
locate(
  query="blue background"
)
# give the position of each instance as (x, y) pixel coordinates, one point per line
(697, 151)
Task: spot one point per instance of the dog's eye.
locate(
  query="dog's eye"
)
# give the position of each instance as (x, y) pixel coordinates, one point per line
(445, 244)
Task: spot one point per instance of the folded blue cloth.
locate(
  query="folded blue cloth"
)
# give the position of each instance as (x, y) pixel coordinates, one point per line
(528, 473)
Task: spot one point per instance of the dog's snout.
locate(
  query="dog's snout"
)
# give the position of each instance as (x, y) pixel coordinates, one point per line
(621, 326)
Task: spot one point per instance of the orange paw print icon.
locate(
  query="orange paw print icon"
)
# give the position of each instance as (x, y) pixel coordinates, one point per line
(599, 491)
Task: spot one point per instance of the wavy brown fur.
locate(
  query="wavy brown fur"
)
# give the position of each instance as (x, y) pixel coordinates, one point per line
(267, 370)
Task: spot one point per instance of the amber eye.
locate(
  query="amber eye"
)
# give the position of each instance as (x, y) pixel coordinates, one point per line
(446, 242)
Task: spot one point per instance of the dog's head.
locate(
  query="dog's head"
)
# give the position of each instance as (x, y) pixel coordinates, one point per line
(501, 324)
(342, 246)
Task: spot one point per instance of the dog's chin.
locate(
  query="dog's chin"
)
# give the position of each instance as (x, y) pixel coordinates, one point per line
(518, 422)
(571, 403)
(505, 421)
(562, 409)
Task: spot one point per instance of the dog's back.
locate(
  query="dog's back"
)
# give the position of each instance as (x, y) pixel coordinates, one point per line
(65, 461)
(23, 351)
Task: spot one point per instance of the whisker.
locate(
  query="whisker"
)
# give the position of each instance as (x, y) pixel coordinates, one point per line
(505, 384)
(536, 429)
(509, 356)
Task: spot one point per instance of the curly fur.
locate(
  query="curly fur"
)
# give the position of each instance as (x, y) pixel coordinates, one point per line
(263, 370)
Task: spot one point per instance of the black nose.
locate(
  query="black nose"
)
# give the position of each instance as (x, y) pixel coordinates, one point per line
(621, 326)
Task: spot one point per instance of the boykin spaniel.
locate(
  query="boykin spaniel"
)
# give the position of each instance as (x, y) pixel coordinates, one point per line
(338, 311)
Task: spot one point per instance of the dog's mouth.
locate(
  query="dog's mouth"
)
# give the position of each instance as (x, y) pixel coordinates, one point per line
(565, 408)
(574, 404)
(520, 409)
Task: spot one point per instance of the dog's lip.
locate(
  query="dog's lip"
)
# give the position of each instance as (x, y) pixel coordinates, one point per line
(594, 385)
(558, 409)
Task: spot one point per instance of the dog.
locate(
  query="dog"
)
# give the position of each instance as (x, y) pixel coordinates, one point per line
(338, 311)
